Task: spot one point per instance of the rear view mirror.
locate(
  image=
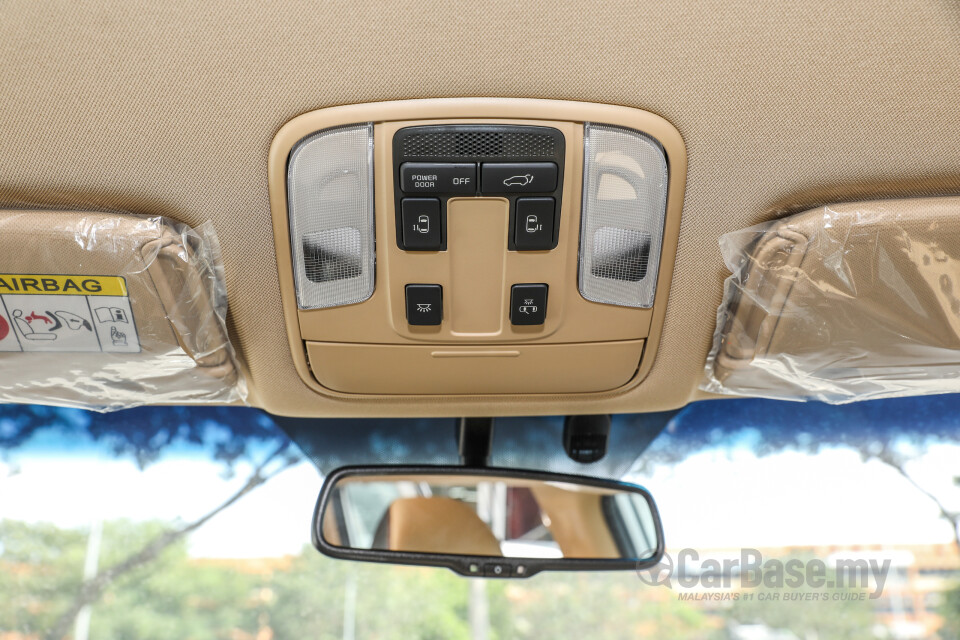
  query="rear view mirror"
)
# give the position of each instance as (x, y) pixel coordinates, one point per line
(486, 522)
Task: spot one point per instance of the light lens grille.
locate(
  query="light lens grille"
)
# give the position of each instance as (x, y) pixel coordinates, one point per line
(625, 180)
(330, 195)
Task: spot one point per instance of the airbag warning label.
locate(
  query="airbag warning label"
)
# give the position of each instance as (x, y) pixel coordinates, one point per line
(66, 313)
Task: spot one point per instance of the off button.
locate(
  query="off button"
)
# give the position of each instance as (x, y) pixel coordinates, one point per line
(436, 177)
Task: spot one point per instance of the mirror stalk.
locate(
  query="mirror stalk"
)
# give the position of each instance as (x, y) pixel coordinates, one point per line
(474, 440)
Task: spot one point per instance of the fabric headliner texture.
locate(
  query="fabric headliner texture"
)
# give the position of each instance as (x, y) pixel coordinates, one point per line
(169, 108)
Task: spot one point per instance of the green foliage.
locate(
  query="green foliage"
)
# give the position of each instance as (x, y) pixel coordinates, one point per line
(41, 569)
(950, 610)
(825, 617)
(40, 566)
(391, 602)
(598, 605)
(176, 597)
(177, 600)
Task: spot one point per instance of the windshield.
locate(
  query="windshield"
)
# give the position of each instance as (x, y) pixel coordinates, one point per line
(782, 520)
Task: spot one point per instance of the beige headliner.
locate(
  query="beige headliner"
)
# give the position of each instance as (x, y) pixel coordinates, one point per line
(170, 109)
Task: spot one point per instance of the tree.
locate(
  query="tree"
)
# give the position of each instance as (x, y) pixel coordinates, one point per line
(39, 564)
(598, 605)
(950, 610)
(892, 431)
(170, 598)
(177, 597)
(392, 602)
(834, 614)
(143, 434)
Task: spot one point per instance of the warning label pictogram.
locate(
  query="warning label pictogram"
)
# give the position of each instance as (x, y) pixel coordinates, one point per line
(66, 313)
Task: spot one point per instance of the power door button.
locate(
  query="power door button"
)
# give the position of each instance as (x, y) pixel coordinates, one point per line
(436, 177)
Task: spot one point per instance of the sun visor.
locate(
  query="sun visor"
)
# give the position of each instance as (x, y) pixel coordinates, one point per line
(842, 303)
(107, 311)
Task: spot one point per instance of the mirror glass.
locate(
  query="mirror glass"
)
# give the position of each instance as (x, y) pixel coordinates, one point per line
(490, 515)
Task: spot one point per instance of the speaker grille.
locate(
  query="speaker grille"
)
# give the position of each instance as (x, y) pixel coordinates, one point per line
(620, 254)
(334, 254)
(478, 144)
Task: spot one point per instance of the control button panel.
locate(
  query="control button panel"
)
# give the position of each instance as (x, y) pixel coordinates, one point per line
(528, 304)
(474, 265)
(436, 177)
(533, 230)
(422, 228)
(424, 304)
(515, 162)
(526, 177)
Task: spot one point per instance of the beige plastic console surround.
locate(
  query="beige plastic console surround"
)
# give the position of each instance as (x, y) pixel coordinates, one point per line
(368, 348)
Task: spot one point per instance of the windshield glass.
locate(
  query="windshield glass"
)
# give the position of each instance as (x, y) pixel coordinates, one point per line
(782, 520)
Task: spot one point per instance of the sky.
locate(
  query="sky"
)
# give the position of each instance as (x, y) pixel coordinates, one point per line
(720, 498)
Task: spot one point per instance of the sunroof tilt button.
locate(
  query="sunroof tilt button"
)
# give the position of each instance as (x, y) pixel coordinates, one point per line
(528, 304)
(518, 177)
(435, 177)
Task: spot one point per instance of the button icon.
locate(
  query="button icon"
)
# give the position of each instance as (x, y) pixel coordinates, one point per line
(518, 181)
(518, 177)
(424, 308)
(423, 225)
(533, 224)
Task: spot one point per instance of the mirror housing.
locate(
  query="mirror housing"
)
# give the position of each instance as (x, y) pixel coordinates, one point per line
(487, 522)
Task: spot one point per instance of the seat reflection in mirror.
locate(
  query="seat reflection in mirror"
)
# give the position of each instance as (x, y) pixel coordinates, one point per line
(487, 515)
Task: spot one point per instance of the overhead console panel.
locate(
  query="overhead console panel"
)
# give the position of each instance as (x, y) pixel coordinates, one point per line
(475, 247)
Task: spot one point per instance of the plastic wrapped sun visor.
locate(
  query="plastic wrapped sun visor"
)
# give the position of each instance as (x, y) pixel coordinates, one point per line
(842, 303)
(106, 311)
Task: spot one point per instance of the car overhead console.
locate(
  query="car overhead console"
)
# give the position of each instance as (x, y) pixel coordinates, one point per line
(475, 246)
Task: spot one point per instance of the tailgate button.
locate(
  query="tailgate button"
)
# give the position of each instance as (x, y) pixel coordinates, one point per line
(518, 177)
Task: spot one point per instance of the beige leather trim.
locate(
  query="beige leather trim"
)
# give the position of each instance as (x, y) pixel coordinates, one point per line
(577, 522)
(438, 525)
(519, 369)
